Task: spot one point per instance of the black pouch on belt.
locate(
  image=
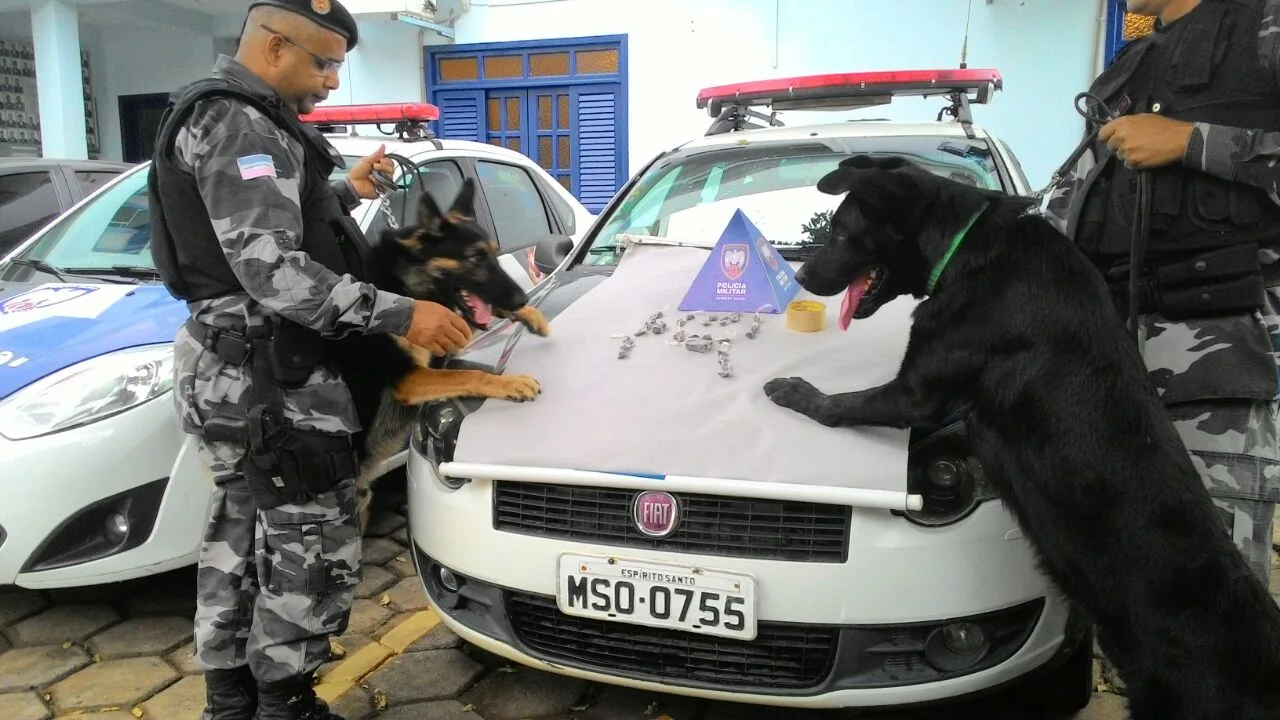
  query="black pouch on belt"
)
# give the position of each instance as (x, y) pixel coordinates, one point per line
(295, 352)
(1223, 281)
(285, 464)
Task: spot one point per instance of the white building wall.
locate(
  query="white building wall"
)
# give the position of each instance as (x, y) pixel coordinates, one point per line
(135, 61)
(1045, 50)
(386, 66)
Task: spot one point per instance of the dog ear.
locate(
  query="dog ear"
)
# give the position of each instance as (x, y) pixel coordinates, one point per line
(430, 218)
(875, 162)
(848, 171)
(882, 191)
(465, 203)
(838, 181)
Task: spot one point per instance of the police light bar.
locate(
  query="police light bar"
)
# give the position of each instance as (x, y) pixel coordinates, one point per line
(850, 90)
(372, 114)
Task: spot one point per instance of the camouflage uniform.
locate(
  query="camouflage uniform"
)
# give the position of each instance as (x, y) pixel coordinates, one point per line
(1218, 375)
(272, 585)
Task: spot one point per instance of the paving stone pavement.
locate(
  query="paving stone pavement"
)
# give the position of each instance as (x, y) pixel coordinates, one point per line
(123, 651)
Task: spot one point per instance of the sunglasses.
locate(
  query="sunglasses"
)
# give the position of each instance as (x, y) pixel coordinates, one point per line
(323, 64)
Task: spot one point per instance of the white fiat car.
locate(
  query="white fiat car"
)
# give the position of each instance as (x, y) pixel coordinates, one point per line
(646, 523)
(99, 484)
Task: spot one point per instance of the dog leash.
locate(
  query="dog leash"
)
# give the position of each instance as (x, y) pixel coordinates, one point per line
(1100, 116)
(385, 185)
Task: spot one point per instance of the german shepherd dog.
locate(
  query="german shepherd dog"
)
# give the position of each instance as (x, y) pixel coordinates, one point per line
(1022, 335)
(448, 258)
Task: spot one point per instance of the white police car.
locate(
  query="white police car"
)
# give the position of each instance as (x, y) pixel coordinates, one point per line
(98, 482)
(789, 579)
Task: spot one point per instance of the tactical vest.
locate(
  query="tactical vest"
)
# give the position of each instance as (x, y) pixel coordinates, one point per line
(196, 268)
(1204, 68)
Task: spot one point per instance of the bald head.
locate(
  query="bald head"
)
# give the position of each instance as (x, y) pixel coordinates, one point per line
(296, 56)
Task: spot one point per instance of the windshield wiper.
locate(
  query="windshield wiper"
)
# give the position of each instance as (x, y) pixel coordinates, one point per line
(138, 271)
(62, 273)
(133, 272)
(40, 265)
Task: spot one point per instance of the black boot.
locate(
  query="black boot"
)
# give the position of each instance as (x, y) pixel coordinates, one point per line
(292, 699)
(230, 695)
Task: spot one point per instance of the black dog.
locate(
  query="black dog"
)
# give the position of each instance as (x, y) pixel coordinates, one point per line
(1021, 334)
(445, 257)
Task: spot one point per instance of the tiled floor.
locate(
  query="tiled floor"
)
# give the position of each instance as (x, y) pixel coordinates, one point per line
(116, 651)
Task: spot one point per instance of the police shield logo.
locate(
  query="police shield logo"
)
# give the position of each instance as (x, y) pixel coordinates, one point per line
(733, 260)
(320, 7)
(44, 297)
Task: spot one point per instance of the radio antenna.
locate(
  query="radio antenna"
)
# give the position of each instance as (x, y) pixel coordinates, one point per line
(964, 49)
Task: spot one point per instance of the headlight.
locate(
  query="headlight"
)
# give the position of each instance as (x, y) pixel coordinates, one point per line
(941, 467)
(436, 433)
(87, 392)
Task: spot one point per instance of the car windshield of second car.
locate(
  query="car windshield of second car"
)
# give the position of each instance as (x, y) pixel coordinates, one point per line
(690, 196)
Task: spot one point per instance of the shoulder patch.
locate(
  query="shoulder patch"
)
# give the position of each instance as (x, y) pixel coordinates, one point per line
(256, 166)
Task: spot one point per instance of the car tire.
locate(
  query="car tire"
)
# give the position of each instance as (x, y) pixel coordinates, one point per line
(1065, 690)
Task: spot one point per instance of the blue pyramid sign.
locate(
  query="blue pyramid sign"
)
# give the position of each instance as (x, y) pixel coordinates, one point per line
(744, 273)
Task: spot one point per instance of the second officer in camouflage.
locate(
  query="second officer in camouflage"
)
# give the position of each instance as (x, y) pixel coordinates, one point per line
(1196, 106)
(250, 232)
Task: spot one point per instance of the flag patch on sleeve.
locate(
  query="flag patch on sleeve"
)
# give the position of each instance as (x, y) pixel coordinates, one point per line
(256, 166)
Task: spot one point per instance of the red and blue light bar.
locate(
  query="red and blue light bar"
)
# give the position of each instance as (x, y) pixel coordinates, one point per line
(372, 114)
(851, 89)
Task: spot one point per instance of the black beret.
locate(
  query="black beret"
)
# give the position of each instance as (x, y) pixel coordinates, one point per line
(329, 14)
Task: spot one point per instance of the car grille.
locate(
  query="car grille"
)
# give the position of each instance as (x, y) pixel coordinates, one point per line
(709, 524)
(782, 655)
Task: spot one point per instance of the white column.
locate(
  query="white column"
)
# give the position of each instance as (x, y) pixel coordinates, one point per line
(55, 30)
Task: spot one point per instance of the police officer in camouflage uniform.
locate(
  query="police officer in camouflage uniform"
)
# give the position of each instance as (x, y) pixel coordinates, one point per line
(249, 231)
(1195, 107)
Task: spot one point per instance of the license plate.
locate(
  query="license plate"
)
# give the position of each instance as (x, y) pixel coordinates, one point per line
(680, 597)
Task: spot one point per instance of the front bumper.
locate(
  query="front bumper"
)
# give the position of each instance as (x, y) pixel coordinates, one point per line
(830, 634)
(59, 489)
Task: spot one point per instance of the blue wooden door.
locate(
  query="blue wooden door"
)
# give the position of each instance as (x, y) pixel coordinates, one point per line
(561, 103)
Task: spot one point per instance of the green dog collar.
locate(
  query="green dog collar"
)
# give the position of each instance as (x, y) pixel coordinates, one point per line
(946, 257)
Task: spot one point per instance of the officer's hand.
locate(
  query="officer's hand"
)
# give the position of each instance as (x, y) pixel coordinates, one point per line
(437, 328)
(361, 174)
(1147, 140)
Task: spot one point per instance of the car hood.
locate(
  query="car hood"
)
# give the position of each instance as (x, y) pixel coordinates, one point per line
(656, 416)
(45, 327)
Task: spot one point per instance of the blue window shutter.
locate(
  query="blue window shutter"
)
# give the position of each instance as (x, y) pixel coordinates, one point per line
(461, 114)
(596, 163)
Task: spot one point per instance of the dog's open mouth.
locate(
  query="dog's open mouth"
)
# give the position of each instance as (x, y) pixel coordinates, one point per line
(857, 298)
(479, 312)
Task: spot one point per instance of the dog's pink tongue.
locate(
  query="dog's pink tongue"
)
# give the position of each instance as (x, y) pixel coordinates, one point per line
(853, 298)
(480, 309)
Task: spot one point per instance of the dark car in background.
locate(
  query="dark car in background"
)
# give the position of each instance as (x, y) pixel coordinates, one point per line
(33, 191)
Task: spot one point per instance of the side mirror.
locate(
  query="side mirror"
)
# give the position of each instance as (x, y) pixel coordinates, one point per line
(550, 251)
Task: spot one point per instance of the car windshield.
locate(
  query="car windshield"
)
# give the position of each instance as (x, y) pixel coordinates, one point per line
(111, 231)
(110, 235)
(690, 196)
